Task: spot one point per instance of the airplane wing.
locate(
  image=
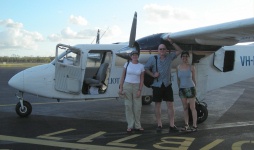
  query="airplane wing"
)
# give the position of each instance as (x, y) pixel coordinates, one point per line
(224, 34)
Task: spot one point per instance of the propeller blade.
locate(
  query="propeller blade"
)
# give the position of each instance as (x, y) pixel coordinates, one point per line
(125, 51)
(133, 30)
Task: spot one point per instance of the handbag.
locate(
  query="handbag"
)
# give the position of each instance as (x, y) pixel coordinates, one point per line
(148, 80)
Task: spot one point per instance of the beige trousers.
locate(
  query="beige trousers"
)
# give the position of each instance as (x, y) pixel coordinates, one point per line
(132, 105)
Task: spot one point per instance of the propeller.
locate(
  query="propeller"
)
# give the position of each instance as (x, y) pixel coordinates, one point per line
(125, 52)
(133, 30)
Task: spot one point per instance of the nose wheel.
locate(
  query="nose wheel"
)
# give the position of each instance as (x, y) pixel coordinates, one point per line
(23, 108)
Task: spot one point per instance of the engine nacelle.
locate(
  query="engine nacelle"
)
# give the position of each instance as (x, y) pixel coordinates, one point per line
(151, 42)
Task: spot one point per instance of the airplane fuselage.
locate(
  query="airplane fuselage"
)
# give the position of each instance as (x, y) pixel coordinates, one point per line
(43, 80)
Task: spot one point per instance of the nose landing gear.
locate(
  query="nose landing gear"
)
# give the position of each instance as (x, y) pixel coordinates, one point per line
(23, 108)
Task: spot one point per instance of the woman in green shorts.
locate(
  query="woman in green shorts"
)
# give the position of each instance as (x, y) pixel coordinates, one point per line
(187, 91)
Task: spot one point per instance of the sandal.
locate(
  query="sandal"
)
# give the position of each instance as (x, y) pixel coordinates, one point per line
(140, 129)
(186, 128)
(194, 129)
(129, 130)
(159, 128)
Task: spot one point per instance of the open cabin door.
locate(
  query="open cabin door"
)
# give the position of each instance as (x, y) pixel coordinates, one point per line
(97, 72)
(68, 71)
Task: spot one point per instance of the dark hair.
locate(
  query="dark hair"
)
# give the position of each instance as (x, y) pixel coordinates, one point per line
(185, 52)
(134, 52)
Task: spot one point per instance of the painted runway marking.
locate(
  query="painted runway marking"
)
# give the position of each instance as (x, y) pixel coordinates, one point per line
(230, 125)
(118, 142)
(57, 143)
(238, 145)
(61, 102)
(174, 143)
(212, 145)
(50, 137)
(89, 138)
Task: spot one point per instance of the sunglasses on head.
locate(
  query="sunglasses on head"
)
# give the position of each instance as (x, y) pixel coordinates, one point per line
(162, 49)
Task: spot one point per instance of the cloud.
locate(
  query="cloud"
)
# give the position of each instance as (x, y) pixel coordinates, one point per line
(13, 36)
(161, 13)
(78, 20)
(9, 23)
(87, 34)
(68, 33)
(112, 31)
(74, 32)
(166, 18)
(55, 37)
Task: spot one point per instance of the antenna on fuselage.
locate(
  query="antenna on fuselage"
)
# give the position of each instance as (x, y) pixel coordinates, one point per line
(98, 37)
(103, 33)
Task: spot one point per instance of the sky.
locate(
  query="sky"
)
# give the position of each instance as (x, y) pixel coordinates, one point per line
(35, 27)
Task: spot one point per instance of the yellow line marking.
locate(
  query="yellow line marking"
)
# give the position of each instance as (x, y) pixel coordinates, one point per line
(8, 105)
(89, 138)
(61, 102)
(212, 145)
(58, 144)
(49, 136)
(174, 143)
(229, 125)
(118, 142)
(238, 145)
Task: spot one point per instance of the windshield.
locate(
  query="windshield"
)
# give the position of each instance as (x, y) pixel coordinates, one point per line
(67, 55)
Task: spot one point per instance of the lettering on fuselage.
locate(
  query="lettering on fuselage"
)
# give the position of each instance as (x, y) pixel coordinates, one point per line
(114, 81)
(117, 80)
(247, 60)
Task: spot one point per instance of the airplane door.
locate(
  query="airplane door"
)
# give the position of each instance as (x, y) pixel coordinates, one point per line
(224, 60)
(218, 60)
(68, 71)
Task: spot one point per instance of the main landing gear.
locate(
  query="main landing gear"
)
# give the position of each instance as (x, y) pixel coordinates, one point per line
(23, 108)
(147, 100)
(202, 112)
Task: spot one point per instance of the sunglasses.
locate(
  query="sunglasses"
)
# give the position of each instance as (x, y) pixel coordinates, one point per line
(162, 49)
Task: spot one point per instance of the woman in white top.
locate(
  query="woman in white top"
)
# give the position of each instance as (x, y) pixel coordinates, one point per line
(131, 84)
(187, 91)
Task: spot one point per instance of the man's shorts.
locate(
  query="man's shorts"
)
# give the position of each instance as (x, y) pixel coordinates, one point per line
(187, 92)
(163, 93)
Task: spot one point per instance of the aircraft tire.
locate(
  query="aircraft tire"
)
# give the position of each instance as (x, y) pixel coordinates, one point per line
(26, 111)
(202, 112)
(147, 100)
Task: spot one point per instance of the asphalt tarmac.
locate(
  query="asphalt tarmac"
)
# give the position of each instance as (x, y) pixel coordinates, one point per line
(69, 125)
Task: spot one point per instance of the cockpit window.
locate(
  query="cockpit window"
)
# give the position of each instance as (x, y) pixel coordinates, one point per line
(94, 60)
(68, 56)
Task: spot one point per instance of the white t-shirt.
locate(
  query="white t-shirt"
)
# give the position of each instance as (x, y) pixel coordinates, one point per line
(133, 72)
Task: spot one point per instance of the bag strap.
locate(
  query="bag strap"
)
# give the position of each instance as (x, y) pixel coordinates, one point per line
(156, 64)
(126, 69)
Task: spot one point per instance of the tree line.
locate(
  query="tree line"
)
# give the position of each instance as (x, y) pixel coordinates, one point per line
(26, 59)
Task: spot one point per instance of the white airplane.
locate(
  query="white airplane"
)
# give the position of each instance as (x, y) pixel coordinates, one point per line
(93, 71)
